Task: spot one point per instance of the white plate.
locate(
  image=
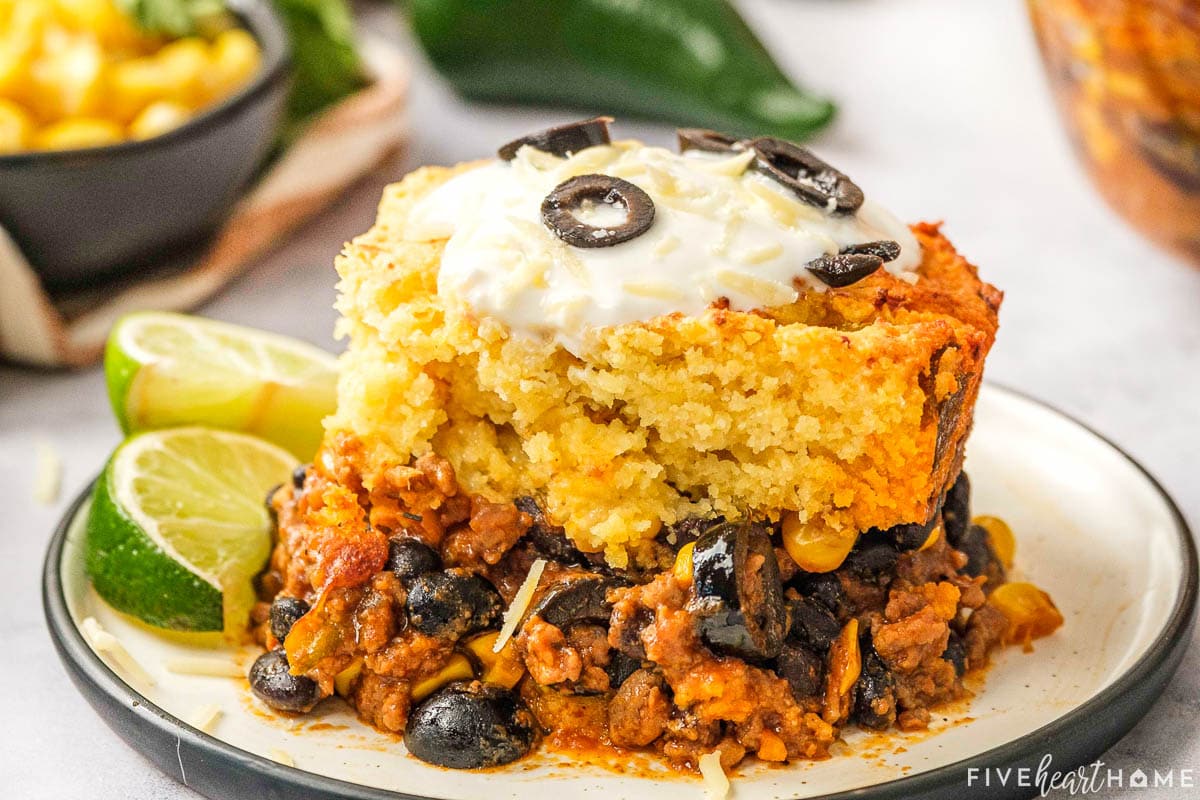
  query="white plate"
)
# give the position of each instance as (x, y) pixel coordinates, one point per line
(1092, 529)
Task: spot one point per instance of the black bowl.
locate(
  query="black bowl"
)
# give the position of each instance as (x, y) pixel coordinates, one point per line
(83, 215)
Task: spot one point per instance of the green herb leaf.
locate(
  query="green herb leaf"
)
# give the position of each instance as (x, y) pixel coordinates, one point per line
(325, 63)
(173, 17)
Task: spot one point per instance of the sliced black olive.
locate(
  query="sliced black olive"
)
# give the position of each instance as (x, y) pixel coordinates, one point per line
(976, 545)
(811, 623)
(844, 269)
(577, 599)
(284, 613)
(560, 207)
(873, 557)
(274, 684)
(452, 604)
(270, 506)
(808, 177)
(470, 726)
(620, 667)
(298, 476)
(686, 530)
(824, 587)
(803, 669)
(956, 653)
(409, 558)
(562, 140)
(547, 540)
(739, 598)
(705, 140)
(956, 509)
(875, 692)
(912, 535)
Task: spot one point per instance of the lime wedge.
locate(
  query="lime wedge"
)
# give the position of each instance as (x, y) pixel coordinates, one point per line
(165, 370)
(178, 526)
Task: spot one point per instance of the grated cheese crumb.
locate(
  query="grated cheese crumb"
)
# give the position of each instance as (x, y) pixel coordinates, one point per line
(767, 292)
(716, 783)
(105, 643)
(282, 756)
(215, 667)
(205, 717)
(47, 474)
(520, 603)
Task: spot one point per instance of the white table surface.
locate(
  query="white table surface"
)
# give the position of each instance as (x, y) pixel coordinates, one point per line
(945, 114)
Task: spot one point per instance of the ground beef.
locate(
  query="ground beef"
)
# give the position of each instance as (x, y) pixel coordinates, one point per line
(985, 632)
(915, 626)
(640, 710)
(492, 531)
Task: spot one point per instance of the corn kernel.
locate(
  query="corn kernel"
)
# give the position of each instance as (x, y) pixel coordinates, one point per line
(235, 57)
(183, 64)
(458, 668)
(501, 669)
(683, 562)
(158, 118)
(932, 538)
(1004, 544)
(815, 548)
(16, 128)
(1030, 611)
(344, 680)
(79, 132)
(67, 82)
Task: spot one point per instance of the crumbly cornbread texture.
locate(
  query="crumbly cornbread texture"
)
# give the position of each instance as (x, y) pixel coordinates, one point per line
(849, 407)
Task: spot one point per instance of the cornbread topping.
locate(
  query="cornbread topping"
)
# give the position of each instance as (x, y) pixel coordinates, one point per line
(720, 230)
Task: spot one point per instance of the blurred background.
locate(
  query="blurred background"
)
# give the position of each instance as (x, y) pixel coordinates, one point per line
(1073, 182)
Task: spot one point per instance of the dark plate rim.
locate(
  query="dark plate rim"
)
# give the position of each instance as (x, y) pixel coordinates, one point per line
(257, 16)
(1126, 699)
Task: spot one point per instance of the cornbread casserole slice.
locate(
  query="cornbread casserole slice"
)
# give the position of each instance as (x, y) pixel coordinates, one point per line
(696, 420)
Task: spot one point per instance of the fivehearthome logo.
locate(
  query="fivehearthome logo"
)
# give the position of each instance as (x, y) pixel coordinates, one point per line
(1088, 779)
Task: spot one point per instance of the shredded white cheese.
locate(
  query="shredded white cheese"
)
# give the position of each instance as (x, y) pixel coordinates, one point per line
(105, 643)
(215, 667)
(47, 474)
(516, 610)
(716, 783)
(205, 717)
(282, 756)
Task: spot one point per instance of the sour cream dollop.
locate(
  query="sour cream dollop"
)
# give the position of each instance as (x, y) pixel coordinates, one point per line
(720, 230)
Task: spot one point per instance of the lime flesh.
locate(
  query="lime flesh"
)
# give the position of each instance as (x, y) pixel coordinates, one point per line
(178, 526)
(165, 370)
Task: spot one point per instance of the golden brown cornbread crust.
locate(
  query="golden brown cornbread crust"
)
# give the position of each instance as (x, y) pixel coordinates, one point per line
(850, 406)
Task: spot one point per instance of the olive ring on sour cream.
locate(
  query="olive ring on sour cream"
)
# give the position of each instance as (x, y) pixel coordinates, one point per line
(808, 177)
(562, 140)
(560, 207)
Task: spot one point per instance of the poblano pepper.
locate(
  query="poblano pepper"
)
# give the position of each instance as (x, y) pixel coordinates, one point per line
(693, 62)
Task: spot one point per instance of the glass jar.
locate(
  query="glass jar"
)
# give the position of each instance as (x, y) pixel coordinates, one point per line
(1126, 77)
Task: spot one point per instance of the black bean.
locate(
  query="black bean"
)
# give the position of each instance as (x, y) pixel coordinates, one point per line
(811, 623)
(298, 476)
(956, 509)
(620, 667)
(956, 653)
(823, 587)
(875, 692)
(976, 545)
(803, 669)
(284, 613)
(562, 140)
(409, 558)
(452, 604)
(565, 200)
(470, 726)
(873, 557)
(274, 684)
(912, 535)
(547, 540)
